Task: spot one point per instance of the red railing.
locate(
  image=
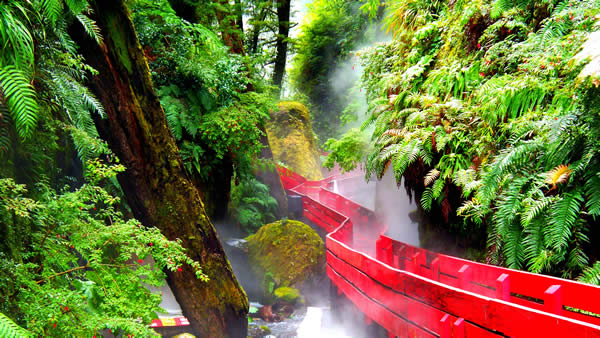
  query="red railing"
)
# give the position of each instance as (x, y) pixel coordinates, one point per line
(418, 293)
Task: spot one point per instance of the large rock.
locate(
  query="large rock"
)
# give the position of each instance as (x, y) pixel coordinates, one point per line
(590, 53)
(289, 251)
(292, 140)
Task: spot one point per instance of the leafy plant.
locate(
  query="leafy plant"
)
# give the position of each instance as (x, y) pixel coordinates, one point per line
(73, 266)
(480, 103)
(10, 329)
(252, 205)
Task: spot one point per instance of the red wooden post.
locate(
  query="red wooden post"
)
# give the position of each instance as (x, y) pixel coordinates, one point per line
(383, 250)
(503, 287)
(553, 299)
(349, 237)
(416, 261)
(401, 254)
(445, 326)
(368, 321)
(411, 264)
(435, 269)
(458, 328)
(464, 277)
(391, 335)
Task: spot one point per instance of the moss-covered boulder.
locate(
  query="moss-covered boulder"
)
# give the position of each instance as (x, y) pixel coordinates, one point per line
(287, 294)
(292, 140)
(289, 251)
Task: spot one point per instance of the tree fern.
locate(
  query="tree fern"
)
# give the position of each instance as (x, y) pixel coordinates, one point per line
(10, 329)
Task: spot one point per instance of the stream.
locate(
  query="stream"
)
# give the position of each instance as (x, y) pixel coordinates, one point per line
(318, 317)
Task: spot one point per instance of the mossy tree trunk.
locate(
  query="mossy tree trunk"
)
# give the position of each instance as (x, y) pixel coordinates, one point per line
(155, 184)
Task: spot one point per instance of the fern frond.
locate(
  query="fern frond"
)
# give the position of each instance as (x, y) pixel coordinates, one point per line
(558, 175)
(52, 9)
(514, 251)
(427, 199)
(591, 275)
(90, 27)
(563, 217)
(592, 191)
(10, 329)
(16, 41)
(19, 96)
(535, 209)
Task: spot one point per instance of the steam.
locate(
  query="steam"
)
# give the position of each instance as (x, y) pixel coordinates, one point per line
(345, 80)
(394, 208)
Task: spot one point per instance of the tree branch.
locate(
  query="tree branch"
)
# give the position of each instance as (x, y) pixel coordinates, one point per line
(62, 273)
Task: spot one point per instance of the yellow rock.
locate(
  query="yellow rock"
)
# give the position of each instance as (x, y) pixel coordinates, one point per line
(292, 140)
(289, 250)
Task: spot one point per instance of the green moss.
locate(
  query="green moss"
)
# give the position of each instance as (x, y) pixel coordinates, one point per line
(265, 329)
(288, 250)
(287, 294)
(292, 139)
(118, 40)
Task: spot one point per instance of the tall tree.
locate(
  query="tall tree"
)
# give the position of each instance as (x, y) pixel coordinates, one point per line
(155, 184)
(283, 21)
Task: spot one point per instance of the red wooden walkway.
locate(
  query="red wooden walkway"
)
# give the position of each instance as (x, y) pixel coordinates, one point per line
(413, 292)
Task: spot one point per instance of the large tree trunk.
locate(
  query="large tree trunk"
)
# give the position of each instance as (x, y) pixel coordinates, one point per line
(155, 184)
(283, 19)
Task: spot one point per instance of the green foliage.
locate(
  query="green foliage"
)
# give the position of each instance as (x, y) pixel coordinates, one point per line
(20, 23)
(10, 329)
(252, 205)
(481, 99)
(72, 265)
(202, 89)
(326, 41)
(348, 152)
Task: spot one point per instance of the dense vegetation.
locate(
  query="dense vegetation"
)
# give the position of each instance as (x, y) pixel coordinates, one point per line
(480, 106)
(332, 30)
(73, 257)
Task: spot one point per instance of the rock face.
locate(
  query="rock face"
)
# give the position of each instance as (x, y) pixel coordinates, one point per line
(289, 251)
(590, 51)
(292, 140)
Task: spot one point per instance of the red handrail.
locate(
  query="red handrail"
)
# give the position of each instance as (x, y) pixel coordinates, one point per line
(415, 292)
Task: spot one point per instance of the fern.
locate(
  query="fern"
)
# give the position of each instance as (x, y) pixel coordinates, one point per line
(16, 40)
(427, 198)
(10, 329)
(564, 215)
(90, 27)
(19, 96)
(592, 191)
(591, 274)
(52, 9)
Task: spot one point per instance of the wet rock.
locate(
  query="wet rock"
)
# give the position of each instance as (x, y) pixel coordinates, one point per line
(286, 253)
(292, 140)
(258, 331)
(287, 294)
